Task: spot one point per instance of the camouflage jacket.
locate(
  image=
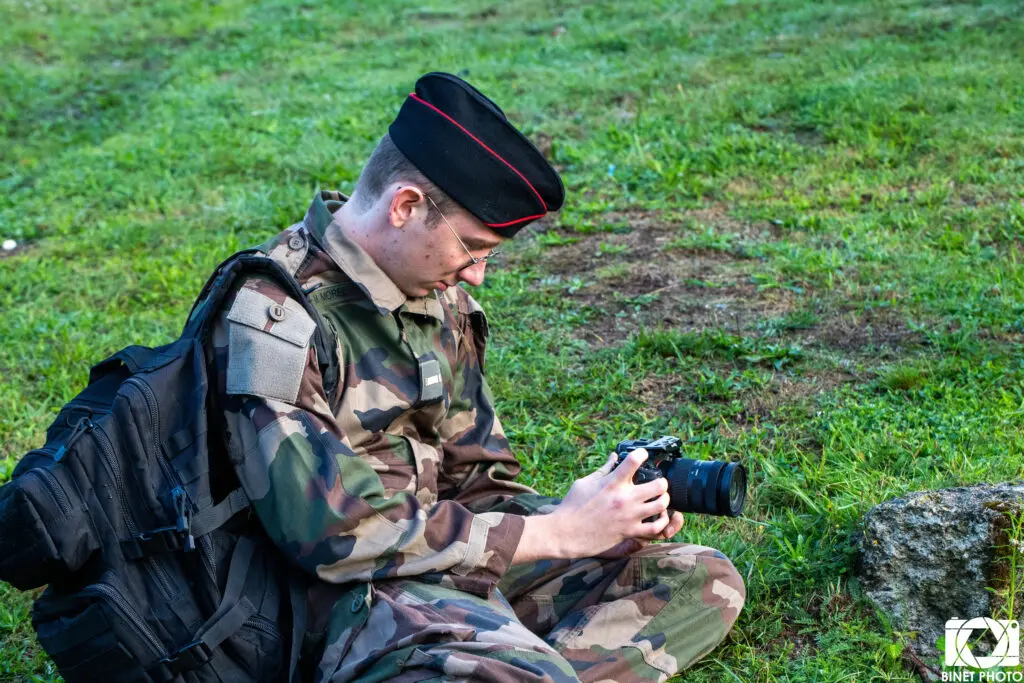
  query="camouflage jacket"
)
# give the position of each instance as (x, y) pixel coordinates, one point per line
(409, 474)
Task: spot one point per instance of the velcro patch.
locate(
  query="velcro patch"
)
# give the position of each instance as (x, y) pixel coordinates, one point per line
(431, 384)
(267, 346)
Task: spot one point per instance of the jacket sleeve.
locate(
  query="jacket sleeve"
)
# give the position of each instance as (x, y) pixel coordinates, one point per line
(324, 506)
(479, 468)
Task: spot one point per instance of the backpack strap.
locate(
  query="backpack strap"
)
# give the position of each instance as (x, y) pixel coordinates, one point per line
(132, 357)
(212, 281)
(182, 535)
(215, 516)
(229, 617)
(135, 358)
(297, 593)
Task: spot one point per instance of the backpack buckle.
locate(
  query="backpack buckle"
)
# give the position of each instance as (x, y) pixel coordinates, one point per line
(184, 523)
(187, 658)
(157, 541)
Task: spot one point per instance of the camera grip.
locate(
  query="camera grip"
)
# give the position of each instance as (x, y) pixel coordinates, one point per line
(644, 474)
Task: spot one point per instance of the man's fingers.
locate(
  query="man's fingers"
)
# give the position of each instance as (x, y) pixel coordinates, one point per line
(654, 529)
(675, 525)
(608, 466)
(651, 489)
(654, 507)
(631, 464)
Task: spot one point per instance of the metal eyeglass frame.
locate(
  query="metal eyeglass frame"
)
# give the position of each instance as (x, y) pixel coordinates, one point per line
(473, 260)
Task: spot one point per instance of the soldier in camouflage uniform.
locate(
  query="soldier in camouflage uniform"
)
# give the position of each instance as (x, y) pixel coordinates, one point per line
(435, 563)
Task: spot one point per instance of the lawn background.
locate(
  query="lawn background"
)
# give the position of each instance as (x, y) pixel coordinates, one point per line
(793, 237)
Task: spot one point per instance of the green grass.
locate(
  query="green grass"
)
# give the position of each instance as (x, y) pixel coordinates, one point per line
(794, 235)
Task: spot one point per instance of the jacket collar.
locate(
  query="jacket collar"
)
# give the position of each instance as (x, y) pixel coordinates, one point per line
(353, 260)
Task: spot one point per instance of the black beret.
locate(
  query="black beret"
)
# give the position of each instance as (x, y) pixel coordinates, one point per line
(460, 140)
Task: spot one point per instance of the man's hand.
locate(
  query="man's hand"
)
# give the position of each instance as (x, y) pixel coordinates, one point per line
(602, 515)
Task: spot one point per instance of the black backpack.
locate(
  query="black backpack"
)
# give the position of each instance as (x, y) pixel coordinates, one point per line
(130, 513)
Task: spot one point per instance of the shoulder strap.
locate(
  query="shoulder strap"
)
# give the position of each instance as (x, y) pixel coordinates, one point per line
(232, 612)
(253, 262)
(211, 282)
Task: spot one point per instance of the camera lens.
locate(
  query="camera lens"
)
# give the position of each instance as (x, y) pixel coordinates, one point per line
(732, 489)
(708, 487)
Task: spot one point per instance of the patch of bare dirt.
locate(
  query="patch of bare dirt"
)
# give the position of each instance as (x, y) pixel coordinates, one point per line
(742, 187)
(543, 143)
(658, 392)
(809, 137)
(1001, 336)
(665, 394)
(798, 644)
(838, 605)
(717, 217)
(732, 308)
(784, 390)
(634, 276)
(881, 329)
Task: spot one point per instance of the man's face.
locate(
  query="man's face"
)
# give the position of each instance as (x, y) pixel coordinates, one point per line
(420, 259)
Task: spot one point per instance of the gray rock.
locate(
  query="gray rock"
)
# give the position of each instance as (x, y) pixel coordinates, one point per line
(933, 555)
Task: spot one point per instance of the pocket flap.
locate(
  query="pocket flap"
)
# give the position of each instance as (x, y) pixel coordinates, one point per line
(288, 321)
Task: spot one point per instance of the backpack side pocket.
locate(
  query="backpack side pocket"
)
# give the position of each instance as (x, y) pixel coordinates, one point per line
(45, 530)
(96, 634)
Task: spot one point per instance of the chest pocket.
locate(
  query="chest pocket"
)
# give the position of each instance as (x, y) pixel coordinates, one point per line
(397, 386)
(425, 338)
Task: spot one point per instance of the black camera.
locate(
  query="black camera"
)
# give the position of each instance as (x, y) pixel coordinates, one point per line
(708, 486)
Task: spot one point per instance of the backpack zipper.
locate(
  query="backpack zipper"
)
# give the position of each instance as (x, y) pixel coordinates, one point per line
(260, 623)
(154, 417)
(122, 605)
(51, 484)
(115, 474)
(162, 580)
(81, 427)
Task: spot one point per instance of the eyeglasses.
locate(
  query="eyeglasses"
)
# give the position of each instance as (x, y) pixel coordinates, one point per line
(473, 260)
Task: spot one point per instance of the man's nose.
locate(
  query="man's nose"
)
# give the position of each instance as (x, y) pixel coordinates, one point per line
(473, 275)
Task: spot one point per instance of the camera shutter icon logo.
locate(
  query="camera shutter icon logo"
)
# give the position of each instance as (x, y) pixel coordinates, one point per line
(958, 643)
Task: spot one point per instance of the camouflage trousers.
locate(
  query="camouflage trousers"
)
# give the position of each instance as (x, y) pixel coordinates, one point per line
(640, 618)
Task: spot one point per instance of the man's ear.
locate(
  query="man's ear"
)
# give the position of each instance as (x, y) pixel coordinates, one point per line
(405, 202)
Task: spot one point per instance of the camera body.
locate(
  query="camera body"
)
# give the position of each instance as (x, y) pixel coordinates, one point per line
(710, 487)
(658, 452)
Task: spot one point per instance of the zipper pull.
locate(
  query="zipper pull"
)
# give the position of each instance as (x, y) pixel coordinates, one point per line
(81, 427)
(184, 524)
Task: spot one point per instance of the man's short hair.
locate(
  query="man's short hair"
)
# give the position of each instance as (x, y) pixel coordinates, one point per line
(387, 165)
